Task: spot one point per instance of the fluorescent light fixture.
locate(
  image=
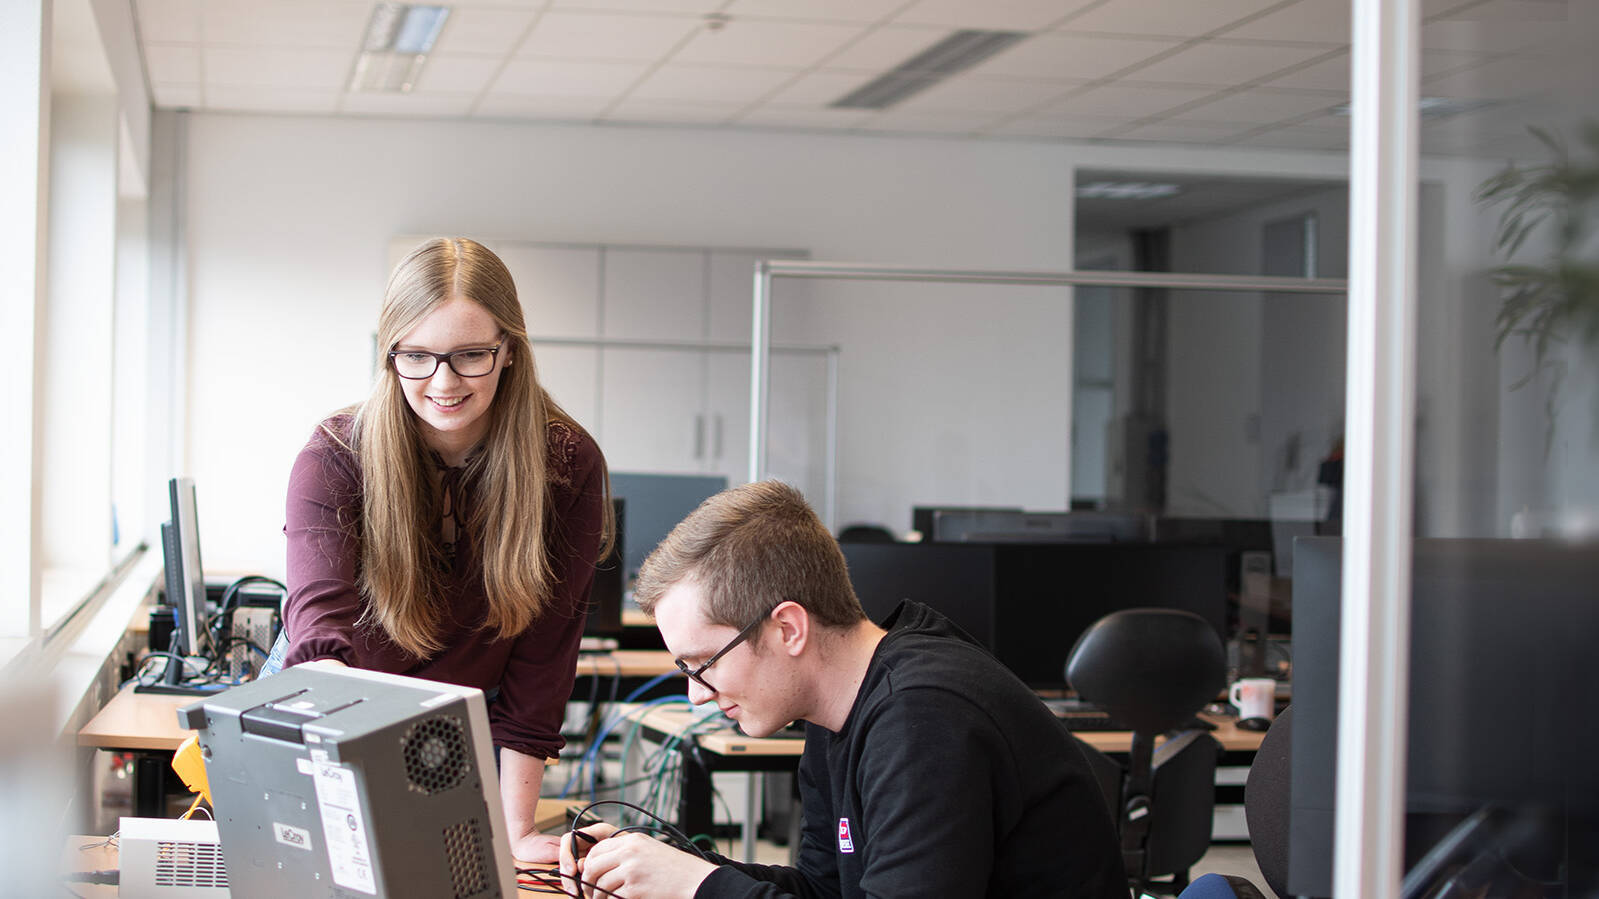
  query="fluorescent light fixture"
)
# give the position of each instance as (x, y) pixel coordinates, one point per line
(1126, 190)
(398, 38)
(955, 53)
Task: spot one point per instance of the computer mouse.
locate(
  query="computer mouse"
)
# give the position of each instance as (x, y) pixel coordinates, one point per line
(1254, 723)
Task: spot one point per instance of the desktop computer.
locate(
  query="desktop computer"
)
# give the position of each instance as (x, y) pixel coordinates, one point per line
(348, 782)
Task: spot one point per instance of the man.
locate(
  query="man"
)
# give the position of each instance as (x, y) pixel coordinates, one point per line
(929, 769)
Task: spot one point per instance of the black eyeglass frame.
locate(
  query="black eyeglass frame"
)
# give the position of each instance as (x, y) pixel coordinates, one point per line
(446, 359)
(696, 674)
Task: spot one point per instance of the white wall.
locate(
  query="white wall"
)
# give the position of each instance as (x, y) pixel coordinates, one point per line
(288, 222)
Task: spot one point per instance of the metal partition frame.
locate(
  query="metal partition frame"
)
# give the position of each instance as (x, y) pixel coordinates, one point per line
(830, 460)
(761, 321)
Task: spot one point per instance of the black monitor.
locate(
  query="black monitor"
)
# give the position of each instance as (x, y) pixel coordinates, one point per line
(185, 586)
(1046, 595)
(655, 505)
(922, 517)
(988, 526)
(955, 580)
(604, 617)
(1502, 705)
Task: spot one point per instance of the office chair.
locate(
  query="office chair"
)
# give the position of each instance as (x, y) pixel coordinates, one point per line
(865, 533)
(1155, 669)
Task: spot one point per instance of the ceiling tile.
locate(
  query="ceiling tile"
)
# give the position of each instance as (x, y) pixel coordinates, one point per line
(1307, 21)
(559, 108)
(1326, 75)
(1004, 15)
(1506, 78)
(1297, 138)
(1261, 106)
(487, 31)
(1171, 18)
(999, 95)
(818, 89)
(177, 96)
(577, 35)
(286, 23)
(1488, 37)
(457, 74)
(168, 21)
(271, 99)
(805, 116)
(1225, 64)
(671, 112)
(416, 103)
(1082, 127)
(1070, 57)
(757, 43)
(690, 7)
(567, 78)
(168, 64)
(951, 123)
(276, 67)
(1178, 132)
(709, 84)
(881, 49)
(862, 11)
(1133, 101)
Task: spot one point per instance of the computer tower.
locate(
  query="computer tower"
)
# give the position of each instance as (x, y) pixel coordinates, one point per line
(342, 782)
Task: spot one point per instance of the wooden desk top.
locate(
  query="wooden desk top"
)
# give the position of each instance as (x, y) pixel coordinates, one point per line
(137, 721)
(731, 742)
(626, 663)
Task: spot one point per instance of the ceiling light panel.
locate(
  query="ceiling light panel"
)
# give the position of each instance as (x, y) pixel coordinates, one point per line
(395, 45)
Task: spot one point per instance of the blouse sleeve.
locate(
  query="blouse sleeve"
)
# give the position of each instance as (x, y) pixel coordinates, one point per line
(323, 603)
(543, 664)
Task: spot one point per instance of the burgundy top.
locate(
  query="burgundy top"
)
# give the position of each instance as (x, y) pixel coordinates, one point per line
(534, 671)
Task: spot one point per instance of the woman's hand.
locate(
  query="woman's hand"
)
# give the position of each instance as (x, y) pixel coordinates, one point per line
(536, 849)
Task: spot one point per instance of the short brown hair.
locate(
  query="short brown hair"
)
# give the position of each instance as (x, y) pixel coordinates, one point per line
(751, 548)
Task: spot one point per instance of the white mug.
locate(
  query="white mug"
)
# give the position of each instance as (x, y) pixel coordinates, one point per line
(1255, 697)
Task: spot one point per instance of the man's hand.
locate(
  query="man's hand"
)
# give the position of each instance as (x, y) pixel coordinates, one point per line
(575, 845)
(634, 864)
(536, 849)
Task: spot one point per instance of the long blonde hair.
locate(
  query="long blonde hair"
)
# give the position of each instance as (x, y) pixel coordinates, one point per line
(511, 522)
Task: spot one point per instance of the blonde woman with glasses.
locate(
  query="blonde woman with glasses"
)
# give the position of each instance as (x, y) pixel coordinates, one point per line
(448, 527)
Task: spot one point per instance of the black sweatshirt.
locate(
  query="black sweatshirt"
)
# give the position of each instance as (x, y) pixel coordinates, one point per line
(950, 778)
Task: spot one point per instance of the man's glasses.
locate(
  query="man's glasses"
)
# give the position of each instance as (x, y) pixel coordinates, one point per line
(695, 674)
(415, 365)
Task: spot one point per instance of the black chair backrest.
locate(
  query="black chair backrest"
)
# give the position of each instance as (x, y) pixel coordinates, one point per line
(1152, 668)
(1266, 802)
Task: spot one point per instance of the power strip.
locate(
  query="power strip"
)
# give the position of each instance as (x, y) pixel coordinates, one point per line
(170, 858)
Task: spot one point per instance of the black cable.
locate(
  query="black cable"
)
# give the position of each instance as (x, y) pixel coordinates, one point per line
(678, 838)
(559, 887)
(223, 617)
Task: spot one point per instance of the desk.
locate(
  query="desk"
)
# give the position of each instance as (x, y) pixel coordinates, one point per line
(146, 724)
(728, 750)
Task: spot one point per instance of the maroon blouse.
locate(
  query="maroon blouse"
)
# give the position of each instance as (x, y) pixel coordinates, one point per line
(533, 671)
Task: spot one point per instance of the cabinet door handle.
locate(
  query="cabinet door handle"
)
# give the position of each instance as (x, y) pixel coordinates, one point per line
(699, 435)
(716, 441)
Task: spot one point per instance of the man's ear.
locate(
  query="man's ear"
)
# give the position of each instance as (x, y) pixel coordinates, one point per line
(793, 626)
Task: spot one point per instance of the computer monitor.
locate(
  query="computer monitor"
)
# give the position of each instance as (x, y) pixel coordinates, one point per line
(655, 505)
(185, 586)
(955, 580)
(1502, 709)
(339, 781)
(969, 526)
(1046, 595)
(922, 517)
(604, 618)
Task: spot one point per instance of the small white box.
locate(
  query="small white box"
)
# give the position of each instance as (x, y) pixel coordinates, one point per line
(170, 858)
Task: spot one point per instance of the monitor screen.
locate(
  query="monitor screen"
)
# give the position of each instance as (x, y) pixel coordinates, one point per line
(339, 781)
(1501, 702)
(186, 588)
(655, 505)
(604, 617)
(955, 580)
(987, 526)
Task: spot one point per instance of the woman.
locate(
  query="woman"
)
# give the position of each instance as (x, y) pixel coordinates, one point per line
(448, 527)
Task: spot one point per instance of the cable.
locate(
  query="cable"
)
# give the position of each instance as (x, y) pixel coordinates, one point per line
(676, 836)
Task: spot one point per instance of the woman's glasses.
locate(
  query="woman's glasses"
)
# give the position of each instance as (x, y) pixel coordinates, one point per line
(416, 365)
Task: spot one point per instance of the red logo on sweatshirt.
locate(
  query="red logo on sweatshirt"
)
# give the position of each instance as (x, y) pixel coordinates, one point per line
(845, 844)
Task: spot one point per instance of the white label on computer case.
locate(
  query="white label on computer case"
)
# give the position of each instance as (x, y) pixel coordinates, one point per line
(291, 836)
(344, 832)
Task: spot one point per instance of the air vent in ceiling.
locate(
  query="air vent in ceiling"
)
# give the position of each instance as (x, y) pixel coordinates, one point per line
(956, 53)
